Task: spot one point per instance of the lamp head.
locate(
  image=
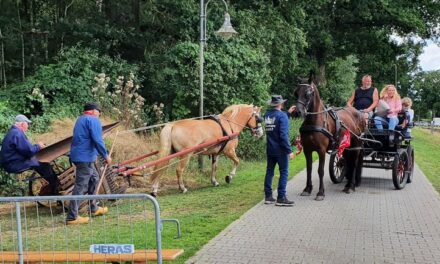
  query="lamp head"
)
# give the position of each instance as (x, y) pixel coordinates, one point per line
(226, 31)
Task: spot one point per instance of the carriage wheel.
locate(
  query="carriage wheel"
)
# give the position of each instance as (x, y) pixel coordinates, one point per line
(336, 168)
(400, 169)
(40, 187)
(410, 152)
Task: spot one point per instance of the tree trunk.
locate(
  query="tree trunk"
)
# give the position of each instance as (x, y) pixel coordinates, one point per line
(23, 61)
(31, 19)
(320, 77)
(135, 8)
(2, 62)
(99, 5)
(46, 46)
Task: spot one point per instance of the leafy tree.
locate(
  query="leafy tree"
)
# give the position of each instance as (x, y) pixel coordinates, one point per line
(235, 73)
(342, 75)
(427, 98)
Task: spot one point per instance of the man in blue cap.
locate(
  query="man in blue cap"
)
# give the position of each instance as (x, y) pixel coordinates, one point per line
(87, 143)
(278, 150)
(18, 153)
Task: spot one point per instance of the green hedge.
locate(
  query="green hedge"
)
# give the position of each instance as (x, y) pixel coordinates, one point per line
(251, 148)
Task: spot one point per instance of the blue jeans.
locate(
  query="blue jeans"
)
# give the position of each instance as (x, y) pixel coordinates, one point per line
(283, 164)
(392, 122)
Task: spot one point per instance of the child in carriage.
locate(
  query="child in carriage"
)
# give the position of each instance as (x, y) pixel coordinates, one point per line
(406, 117)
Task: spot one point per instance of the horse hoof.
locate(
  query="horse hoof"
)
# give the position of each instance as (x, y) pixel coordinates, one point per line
(216, 184)
(348, 190)
(319, 198)
(184, 190)
(228, 179)
(304, 193)
(154, 194)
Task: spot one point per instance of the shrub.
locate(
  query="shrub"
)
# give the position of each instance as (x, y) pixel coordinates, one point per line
(7, 116)
(251, 148)
(61, 89)
(9, 185)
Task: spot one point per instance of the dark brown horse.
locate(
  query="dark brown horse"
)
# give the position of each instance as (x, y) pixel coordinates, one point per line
(322, 130)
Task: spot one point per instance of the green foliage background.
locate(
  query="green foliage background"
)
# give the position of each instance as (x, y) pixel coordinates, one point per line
(53, 50)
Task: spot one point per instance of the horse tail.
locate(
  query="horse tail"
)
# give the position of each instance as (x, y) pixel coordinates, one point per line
(165, 150)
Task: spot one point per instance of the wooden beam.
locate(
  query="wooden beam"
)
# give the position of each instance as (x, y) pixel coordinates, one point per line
(85, 256)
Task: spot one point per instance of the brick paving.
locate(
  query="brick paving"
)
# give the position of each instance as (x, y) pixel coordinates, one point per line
(376, 224)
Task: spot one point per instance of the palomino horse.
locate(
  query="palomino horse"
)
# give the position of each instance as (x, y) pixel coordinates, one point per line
(322, 130)
(183, 134)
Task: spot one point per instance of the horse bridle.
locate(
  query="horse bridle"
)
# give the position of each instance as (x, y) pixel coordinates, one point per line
(310, 92)
(258, 121)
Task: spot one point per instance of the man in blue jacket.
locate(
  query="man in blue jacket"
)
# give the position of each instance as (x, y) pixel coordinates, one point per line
(17, 154)
(278, 150)
(87, 143)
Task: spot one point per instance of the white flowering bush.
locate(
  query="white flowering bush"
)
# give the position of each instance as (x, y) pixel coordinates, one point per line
(121, 101)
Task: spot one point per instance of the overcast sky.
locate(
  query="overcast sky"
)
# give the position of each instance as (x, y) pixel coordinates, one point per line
(430, 58)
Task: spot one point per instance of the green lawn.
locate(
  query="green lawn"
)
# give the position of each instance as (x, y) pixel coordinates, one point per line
(427, 154)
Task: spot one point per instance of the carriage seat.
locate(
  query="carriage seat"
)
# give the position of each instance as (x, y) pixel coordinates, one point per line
(403, 122)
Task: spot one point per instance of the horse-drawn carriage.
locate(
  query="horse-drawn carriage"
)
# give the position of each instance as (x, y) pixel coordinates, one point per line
(322, 131)
(382, 149)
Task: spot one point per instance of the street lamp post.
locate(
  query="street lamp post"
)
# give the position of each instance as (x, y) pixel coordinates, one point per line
(226, 31)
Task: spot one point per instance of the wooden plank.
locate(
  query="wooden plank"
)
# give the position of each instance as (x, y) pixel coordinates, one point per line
(85, 256)
(57, 149)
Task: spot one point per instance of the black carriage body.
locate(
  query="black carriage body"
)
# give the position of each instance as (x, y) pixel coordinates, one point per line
(382, 149)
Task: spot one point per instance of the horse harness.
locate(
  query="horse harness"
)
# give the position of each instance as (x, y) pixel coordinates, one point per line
(334, 139)
(216, 118)
(223, 144)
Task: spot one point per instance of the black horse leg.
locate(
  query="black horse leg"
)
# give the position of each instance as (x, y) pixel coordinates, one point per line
(358, 169)
(308, 190)
(351, 164)
(321, 194)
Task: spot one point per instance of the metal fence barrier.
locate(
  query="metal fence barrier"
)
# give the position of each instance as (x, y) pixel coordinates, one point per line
(26, 226)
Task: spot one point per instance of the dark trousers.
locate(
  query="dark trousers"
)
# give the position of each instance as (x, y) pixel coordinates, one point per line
(86, 181)
(283, 164)
(46, 171)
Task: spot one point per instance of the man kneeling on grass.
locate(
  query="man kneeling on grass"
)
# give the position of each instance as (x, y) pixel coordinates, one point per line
(87, 142)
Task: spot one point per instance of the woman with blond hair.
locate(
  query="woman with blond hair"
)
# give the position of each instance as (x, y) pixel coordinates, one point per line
(391, 97)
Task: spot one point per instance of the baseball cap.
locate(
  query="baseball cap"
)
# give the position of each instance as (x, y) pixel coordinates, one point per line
(22, 118)
(92, 106)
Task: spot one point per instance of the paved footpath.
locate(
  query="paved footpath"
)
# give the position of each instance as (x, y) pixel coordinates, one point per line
(376, 224)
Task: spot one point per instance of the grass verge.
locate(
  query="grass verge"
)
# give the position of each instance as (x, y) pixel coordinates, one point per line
(427, 154)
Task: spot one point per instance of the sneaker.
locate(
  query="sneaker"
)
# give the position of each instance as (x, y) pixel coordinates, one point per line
(78, 221)
(284, 202)
(269, 200)
(100, 211)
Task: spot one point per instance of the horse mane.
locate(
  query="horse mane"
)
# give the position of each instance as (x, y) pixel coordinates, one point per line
(233, 110)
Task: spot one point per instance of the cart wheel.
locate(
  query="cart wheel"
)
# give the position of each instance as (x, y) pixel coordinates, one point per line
(410, 152)
(40, 187)
(400, 169)
(336, 168)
